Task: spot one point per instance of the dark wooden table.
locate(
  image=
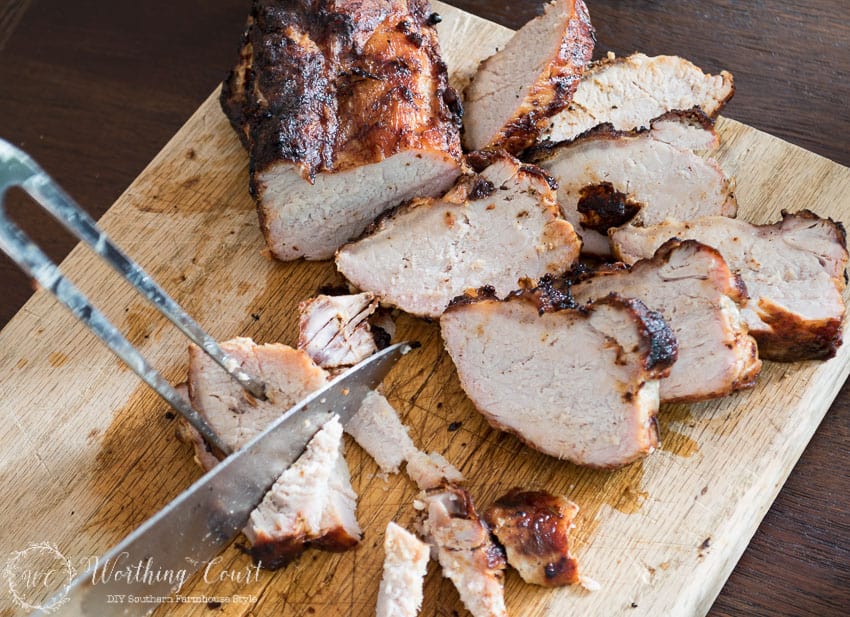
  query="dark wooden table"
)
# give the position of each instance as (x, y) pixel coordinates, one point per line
(93, 89)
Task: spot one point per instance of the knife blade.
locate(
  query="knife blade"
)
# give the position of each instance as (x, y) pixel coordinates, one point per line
(201, 521)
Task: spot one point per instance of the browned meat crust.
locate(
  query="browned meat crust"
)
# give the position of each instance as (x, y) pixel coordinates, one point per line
(329, 85)
(534, 528)
(602, 206)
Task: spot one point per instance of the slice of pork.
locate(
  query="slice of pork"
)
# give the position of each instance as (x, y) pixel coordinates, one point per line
(431, 470)
(581, 385)
(346, 111)
(290, 376)
(466, 552)
(608, 178)
(377, 428)
(405, 565)
(491, 229)
(534, 528)
(793, 270)
(295, 511)
(698, 295)
(518, 89)
(335, 331)
(629, 92)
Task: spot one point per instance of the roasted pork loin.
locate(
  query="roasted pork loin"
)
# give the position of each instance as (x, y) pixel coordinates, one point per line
(466, 552)
(405, 565)
(335, 331)
(346, 111)
(581, 385)
(793, 270)
(289, 374)
(518, 89)
(377, 429)
(609, 178)
(311, 502)
(534, 528)
(493, 228)
(629, 92)
(698, 295)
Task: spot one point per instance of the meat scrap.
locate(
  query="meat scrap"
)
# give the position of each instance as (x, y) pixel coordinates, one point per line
(405, 565)
(581, 385)
(608, 178)
(312, 502)
(375, 123)
(534, 528)
(466, 552)
(628, 92)
(515, 91)
(692, 287)
(335, 330)
(424, 254)
(793, 270)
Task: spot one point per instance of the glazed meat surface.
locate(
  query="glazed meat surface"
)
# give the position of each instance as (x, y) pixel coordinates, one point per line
(405, 565)
(424, 254)
(466, 552)
(515, 91)
(698, 295)
(793, 270)
(534, 528)
(608, 179)
(579, 385)
(628, 92)
(345, 109)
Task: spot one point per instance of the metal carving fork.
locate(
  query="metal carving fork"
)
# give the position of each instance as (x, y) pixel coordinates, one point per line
(18, 169)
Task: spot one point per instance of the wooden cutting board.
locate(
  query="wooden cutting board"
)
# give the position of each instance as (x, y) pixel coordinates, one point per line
(89, 453)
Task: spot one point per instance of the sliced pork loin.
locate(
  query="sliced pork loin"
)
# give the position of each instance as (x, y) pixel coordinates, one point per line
(289, 374)
(375, 122)
(581, 385)
(377, 429)
(466, 552)
(515, 91)
(405, 565)
(335, 330)
(431, 470)
(534, 528)
(609, 178)
(793, 270)
(629, 92)
(311, 502)
(424, 254)
(698, 295)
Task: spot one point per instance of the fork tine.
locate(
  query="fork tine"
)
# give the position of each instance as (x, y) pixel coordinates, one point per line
(24, 172)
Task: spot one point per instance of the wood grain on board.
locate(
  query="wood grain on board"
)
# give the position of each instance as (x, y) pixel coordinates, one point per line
(90, 453)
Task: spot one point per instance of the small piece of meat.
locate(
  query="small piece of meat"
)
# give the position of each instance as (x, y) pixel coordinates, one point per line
(289, 374)
(518, 89)
(581, 385)
(346, 111)
(466, 552)
(653, 179)
(431, 470)
(629, 92)
(493, 228)
(377, 428)
(698, 295)
(534, 528)
(335, 331)
(311, 502)
(793, 270)
(690, 129)
(405, 566)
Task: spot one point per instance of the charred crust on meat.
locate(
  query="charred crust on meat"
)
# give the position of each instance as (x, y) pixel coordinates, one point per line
(662, 346)
(481, 188)
(488, 292)
(602, 206)
(300, 62)
(791, 340)
(275, 554)
(534, 170)
(694, 116)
